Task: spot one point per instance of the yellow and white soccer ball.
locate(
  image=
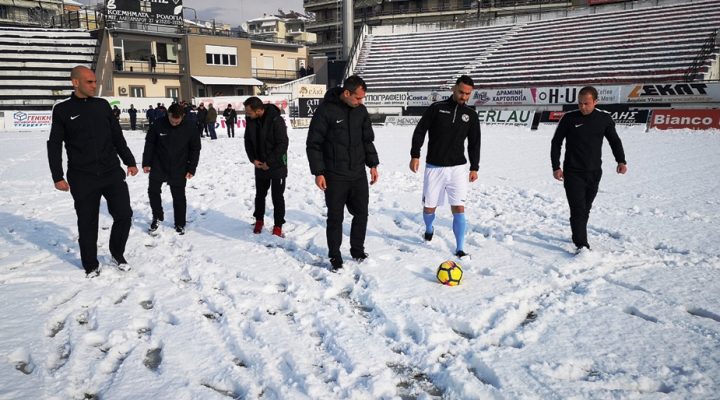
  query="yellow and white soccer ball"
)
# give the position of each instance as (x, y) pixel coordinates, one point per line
(449, 273)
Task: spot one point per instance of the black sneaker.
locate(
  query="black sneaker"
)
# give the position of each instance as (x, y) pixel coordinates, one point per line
(336, 263)
(359, 257)
(428, 236)
(154, 225)
(121, 263)
(180, 229)
(460, 254)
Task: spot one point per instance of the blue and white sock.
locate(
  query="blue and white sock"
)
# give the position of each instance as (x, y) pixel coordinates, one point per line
(459, 225)
(428, 218)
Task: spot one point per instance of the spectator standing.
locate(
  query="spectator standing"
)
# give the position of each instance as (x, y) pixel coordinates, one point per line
(150, 116)
(210, 120)
(230, 120)
(201, 117)
(132, 112)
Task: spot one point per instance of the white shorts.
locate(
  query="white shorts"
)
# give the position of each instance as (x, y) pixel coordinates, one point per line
(445, 184)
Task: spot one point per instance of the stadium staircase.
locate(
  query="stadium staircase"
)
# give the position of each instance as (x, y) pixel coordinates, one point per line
(35, 65)
(655, 44)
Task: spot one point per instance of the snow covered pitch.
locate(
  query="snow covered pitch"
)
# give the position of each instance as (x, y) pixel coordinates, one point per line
(221, 313)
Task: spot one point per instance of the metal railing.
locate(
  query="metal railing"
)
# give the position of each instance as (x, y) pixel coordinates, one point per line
(143, 67)
(275, 74)
(355, 51)
(707, 49)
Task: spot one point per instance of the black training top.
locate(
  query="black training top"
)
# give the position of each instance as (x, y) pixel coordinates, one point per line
(584, 135)
(92, 136)
(449, 124)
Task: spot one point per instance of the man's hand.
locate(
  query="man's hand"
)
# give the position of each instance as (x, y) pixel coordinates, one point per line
(374, 176)
(261, 165)
(473, 176)
(188, 176)
(320, 182)
(621, 168)
(414, 164)
(132, 170)
(558, 174)
(62, 185)
(146, 169)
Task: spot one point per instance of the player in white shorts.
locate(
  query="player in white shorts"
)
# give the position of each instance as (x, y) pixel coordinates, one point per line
(449, 122)
(444, 185)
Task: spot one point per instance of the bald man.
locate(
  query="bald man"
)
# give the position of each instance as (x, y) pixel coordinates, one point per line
(93, 141)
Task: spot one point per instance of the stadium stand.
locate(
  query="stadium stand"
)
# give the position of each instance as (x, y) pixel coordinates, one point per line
(35, 65)
(656, 44)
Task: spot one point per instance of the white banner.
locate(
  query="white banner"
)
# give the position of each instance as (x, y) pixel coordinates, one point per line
(691, 92)
(310, 91)
(386, 99)
(402, 121)
(424, 99)
(506, 117)
(141, 104)
(28, 120)
(220, 103)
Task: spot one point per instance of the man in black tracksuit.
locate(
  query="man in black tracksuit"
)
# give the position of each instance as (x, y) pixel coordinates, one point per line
(172, 152)
(584, 130)
(339, 147)
(93, 141)
(266, 144)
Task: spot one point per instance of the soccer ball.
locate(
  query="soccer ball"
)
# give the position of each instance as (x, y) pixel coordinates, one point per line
(449, 273)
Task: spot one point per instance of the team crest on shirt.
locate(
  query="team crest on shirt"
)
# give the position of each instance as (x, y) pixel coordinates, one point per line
(465, 118)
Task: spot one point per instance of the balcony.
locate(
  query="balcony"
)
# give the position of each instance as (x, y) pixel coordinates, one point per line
(143, 67)
(311, 5)
(276, 74)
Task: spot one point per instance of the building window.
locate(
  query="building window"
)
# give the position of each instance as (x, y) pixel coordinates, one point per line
(3, 12)
(136, 50)
(173, 93)
(137, 91)
(220, 55)
(167, 52)
(268, 62)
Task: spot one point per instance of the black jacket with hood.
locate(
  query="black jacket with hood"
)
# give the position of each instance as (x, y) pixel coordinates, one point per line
(340, 139)
(92, 136)
(171, 151)
(266, 140)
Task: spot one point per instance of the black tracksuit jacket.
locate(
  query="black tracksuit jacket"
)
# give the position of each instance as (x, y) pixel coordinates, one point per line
(340, 140)
(92, 136)
(171, 151)
(584, 136)
(266, 140)
(448, 124)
